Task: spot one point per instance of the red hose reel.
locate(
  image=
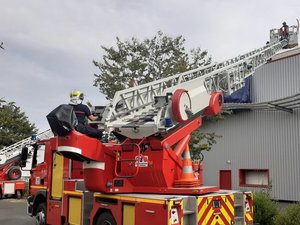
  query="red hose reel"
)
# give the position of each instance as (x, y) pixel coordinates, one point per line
(181, 105)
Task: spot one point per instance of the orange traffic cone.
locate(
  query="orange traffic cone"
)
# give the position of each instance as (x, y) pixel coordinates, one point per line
(187, 178)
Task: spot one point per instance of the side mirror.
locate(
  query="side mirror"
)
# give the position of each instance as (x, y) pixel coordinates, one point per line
(24, 156)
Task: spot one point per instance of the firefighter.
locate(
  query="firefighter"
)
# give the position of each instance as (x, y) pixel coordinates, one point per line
(82, 112)
(284, 31)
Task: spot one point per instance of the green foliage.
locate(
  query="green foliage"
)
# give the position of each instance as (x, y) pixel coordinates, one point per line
(201, 142)
(14, 125)
(265, 210)
(148, 60)
(289, 216)
(144, 61)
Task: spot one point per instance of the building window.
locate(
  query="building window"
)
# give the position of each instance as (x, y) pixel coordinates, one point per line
(254, 177)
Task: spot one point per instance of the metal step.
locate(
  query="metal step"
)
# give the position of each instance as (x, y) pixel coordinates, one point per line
(239, 208)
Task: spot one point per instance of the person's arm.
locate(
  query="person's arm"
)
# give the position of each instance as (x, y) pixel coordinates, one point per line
(92, 118)
(89, 114)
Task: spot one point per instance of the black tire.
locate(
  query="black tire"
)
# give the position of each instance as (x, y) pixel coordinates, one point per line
(106, 218)
(14, 173)
(41, 214)
(19, 194)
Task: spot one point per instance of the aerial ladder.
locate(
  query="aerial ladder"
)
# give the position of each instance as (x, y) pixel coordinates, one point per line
(10, 159)
(145, 175)
(145, 110)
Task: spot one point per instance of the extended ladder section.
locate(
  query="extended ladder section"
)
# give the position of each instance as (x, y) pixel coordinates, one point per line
(14, 150)
(142, 110)
(146, 109)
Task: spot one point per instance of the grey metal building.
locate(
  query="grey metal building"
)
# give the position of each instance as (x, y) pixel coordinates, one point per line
(260, 145)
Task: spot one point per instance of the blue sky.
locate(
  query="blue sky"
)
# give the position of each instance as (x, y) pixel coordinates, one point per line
(50, 45)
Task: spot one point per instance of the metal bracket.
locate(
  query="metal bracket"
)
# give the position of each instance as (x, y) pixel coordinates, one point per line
(280, 108)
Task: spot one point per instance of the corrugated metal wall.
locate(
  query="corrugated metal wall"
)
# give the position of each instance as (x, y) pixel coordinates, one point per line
(276, 80)
(262, 139)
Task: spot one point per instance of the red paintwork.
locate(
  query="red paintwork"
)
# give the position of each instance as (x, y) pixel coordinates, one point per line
(159, 166)
(148, 165)
(215, 104)
(42, 173)
(76, 171)
(142, 217)
(160, 216)
(19, 185)
(53, 206)
(176, 105)
(38, 179)
(4, 169)
(225, 181)
(93, 147)
(54, 209)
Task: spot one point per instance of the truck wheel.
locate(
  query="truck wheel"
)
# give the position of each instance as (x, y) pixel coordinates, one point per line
(40, 217)
(18, 194)
(14, 173)
(106, 219)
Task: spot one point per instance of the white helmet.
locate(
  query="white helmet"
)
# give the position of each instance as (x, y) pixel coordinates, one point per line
(76, 97)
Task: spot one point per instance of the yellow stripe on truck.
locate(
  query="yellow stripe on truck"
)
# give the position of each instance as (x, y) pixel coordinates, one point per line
(134, 199)
(216, 210)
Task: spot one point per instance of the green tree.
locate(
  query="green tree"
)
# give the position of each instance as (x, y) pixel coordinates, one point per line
(289, 216)
(201, 142)
(145, 61)
(14, 124)
(265, 210)
(148, 60)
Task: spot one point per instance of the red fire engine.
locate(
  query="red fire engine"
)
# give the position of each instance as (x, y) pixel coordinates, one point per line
(10, 183)
(11, 160)
(145, 174)
(10, 170)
